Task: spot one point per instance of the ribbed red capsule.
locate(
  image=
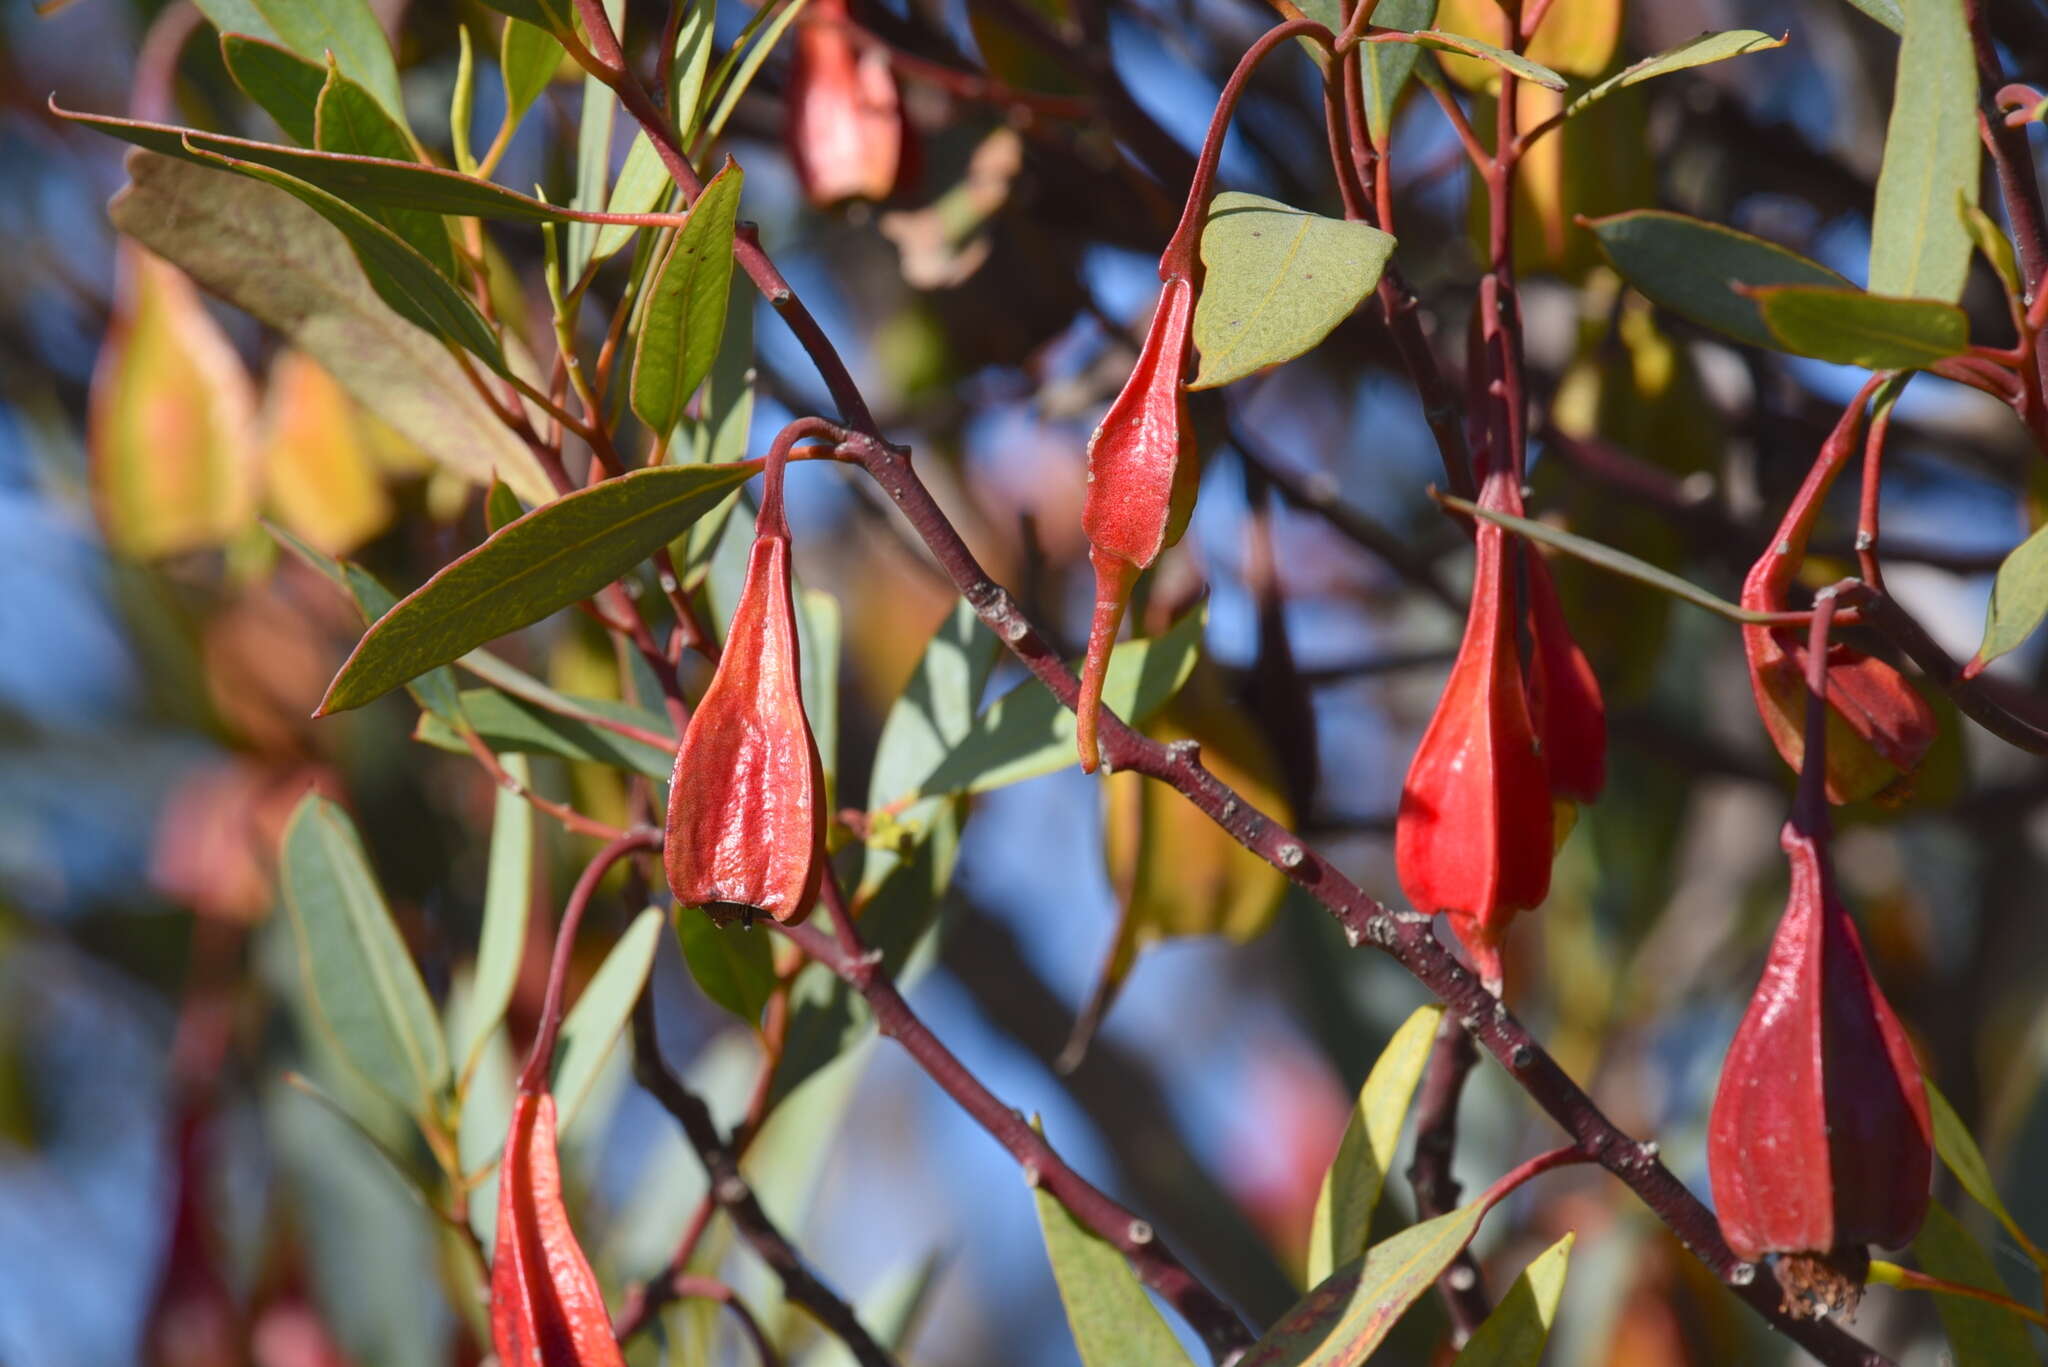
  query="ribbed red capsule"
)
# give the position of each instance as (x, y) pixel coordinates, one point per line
(1472, 840)
(1141, 488)
(546, 1309)
(1571, 716)
(847, 135)
(1819, 1143)
(746, 805)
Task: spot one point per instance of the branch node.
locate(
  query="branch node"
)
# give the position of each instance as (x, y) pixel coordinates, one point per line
(1290, 855)
(1140, 1232)
(1521, 1057)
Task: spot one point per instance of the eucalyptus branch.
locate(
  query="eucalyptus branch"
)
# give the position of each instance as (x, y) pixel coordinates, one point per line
(1451, 1057)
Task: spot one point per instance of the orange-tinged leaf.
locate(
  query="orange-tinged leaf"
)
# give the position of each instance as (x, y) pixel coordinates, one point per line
(171, 420)
(320, 479)
(546, 1309)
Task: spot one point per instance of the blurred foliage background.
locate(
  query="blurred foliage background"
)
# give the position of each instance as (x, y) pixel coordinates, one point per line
(159, 658)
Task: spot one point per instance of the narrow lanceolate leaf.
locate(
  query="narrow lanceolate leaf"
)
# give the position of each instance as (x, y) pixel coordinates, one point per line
(1278, 280)
(684, 317)
(1874, 331)
(314, 28)
(508, 902)
(559, 554)
(1708, 47)
(347, 121)
(404, 279)
(1115, 1324)
(284, 84)
(1387, 66)
(546, 1307)
(220, 229)
(1026, 732)
(380, 181)
(1959, 1152)
(517, 726)
(1514, 1334)
(1918, 245)
(733, 965)
(1500, 57)
(1990, 239)
(1694, 268)
(593, 1026)
(1351, 1188)
(528, 56)
(593, 158)
(1980, 1334)
(2019, 600)
(1350, 1313)
(357, 970)
(1886, 12)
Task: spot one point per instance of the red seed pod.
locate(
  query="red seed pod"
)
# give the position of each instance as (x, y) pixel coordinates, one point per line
(846, 132)
(746, 807)
(1879, 727)
(1819, 1142)
(1141, 488)
(1571, 716)
(546, 1309)
(1473, 837)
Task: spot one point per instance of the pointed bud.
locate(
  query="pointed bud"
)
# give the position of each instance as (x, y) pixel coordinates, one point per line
(1473, 837)
(746, 808)
(546, 1309)
(1141, 488)
(1571, 716)
(1819, 1142)
(847, 135)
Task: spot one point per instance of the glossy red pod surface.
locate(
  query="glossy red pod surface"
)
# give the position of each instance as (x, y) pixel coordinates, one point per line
(546, 1309)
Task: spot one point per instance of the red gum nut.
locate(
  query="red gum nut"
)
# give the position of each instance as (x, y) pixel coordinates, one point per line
(1819, 1141)
(1141, 489)
(1473, 837)
(746, 807)
(846, 131)
(546, 1309)
(1571, 715)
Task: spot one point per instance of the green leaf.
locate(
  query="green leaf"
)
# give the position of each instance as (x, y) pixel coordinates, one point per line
(285, 85)
(1027, 733)
(818, 631)
(1991, 240)
(1500, 57)
(264, 252)
(529, 56)
(403, 279)
(2019, 599)
(1959, 1151)
(1115, 1323)
(557, 555)
(515, 726)
(1980, 1334)
(378, 181)
(1918, 246)
(434, 691)
(1693, 268)
(313, 29)
(1277, 280)
(684, 318)
(462, 102)
(1350, 1312)
(552, 15)
(1886, 12)
(1514, 1334)
(348, 122)
(733, 965)
(501, 506)
(1387, 66)
(1708, 47)
(593, 159)
(359, 975)
(1609, 559)
(732, 83)
(1849, 327)
(1351, 1187)
(594, 1024)
(508, 903)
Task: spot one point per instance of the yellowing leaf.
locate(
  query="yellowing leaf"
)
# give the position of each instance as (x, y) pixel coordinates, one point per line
(1514, 1334)
(1577, 38)
(320, 479)
(172, 413)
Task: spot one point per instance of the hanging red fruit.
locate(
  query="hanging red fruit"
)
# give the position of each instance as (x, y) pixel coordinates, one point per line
(1571, 716)
(546, 1309)
(847, 135)
(746, 806)
(1473, 837)
(1141, 488)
